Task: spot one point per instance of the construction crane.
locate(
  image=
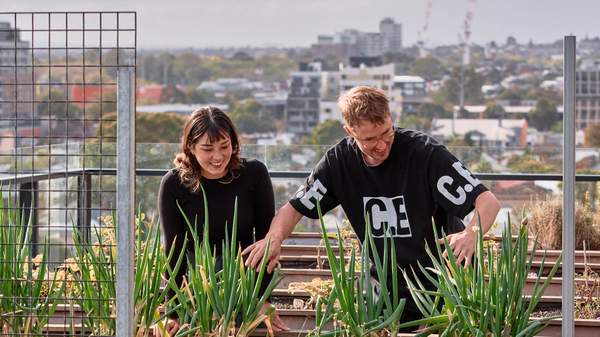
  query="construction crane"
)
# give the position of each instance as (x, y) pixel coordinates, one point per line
(465, 43)
(422, 33)
(466, 36)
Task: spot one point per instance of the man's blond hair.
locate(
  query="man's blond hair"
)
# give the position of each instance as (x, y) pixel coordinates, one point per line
(364, 104)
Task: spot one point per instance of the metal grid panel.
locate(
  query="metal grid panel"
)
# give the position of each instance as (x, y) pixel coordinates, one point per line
(58, 84)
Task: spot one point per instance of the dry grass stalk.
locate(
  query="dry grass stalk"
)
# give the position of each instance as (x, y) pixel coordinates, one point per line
(544, 220)
(316, 288)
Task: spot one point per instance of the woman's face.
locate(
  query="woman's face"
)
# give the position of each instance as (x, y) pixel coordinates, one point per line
(213, 157)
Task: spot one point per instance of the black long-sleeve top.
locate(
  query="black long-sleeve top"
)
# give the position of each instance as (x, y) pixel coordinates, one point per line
(256, 207)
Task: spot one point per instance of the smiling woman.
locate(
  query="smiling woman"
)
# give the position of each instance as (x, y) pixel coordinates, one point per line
(210, 161)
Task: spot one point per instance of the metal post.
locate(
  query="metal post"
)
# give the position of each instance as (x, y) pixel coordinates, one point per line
(84, 205)
(125, 201)
(28, 205)
(568, 234)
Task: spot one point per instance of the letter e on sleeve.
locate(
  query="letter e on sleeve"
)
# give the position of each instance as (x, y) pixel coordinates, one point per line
(452, 185)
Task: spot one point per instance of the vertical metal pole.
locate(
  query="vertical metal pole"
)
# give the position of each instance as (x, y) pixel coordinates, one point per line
(28, 205)
(125, 201)
(568, 234)
(84, 205)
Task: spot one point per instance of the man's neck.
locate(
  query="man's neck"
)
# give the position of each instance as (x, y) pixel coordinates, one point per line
(370, 161)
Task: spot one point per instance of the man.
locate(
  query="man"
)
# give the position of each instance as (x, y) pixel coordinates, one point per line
(401, 179)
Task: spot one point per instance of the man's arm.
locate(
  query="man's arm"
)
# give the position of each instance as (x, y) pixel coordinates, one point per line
(463, 243)
(281, 227)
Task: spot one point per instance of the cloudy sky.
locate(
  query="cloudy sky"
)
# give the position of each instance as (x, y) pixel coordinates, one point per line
(203, 23)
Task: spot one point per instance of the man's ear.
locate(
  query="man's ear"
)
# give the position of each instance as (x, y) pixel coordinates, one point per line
(348, 130)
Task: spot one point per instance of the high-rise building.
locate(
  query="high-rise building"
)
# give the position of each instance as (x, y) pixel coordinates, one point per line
(15, 75)
(351, 42)
(391, 35)
(302, 108)
(587, 93)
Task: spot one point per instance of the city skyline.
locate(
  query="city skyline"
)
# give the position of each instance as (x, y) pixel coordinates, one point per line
(285, 23)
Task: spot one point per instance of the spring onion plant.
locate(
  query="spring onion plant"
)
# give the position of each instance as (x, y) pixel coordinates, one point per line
(220, 302)
(356, 306)
(96, 277)
(486, 297)
(27, 290)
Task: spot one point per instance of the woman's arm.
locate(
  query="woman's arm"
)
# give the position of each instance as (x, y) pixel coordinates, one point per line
(173, 225)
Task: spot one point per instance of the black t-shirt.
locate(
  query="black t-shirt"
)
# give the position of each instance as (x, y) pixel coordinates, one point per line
(419, 181)
(256, 207)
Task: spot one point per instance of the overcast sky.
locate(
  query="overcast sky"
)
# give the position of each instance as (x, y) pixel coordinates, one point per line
(203, 23)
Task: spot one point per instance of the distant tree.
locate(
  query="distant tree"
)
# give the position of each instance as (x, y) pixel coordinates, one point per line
(544, 115)
(247, 117)
(416, 123)
(433, 110)
(494, 76)
(551, 96)
(241, 56)
(107, 104)
(482, 166)
(402, 62)
(54, 104)
(456, 141)
(528, 163)
(149, 127)
(195, 96)
(429, 67)
(592, 135)
(493, 110)
(450, 90)
(557, 127)
(512, 94)
(171, 94)
(328, 132)
(511, 41)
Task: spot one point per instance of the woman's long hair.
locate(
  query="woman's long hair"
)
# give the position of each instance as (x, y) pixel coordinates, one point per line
(214, 122)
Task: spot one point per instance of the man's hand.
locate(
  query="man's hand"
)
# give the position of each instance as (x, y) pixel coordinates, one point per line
(256, 251)
(463, 244)
(276, 323)
(170, 328)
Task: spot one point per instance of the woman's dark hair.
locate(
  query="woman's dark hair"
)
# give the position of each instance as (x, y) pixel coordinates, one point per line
(214, 122)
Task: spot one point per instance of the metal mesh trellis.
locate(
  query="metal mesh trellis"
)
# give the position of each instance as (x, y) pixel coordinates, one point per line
(58, 89)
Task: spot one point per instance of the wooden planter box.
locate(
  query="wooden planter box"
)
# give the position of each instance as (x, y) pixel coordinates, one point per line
(554, 288)
(303, 321)
(583, 328)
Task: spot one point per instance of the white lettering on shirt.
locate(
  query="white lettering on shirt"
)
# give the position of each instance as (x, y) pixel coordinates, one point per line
(460, 195)
(388, 216)
(316, 191)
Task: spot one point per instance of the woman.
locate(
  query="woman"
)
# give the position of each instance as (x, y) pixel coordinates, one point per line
(210, 157)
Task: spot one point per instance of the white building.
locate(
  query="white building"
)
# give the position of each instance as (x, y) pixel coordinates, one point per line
(224, 85)
(329, 110)
(483, 132)
(381, 77)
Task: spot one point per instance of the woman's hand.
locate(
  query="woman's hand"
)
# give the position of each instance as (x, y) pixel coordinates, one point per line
(170, 328)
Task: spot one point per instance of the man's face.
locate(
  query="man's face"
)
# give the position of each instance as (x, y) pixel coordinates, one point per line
(374, 140)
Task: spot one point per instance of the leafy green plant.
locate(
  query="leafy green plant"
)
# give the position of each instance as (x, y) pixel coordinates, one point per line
(355, 305)
(27, 291)
(486, 297)
(220, 302)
